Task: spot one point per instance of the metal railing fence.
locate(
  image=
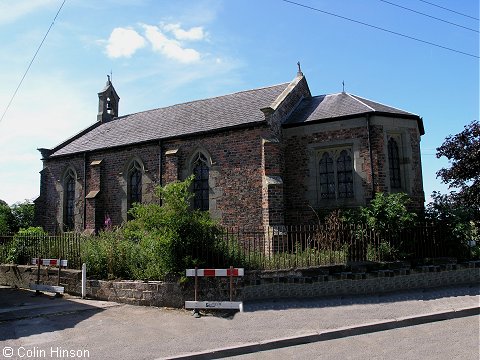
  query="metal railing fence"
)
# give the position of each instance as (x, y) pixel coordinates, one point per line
(277, 247)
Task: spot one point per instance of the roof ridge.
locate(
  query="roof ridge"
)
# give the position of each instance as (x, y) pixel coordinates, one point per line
(361, 102)
(198, 100)
(377, 102)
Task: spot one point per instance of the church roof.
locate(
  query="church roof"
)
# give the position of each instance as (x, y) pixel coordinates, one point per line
(219, 113)
(241, 108)
(341, 105)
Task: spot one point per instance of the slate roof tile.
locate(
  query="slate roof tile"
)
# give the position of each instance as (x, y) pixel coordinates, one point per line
(326, 107)
(226, 111)
(220, 112)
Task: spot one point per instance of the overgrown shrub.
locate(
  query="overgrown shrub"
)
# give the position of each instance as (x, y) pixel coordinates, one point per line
(159, 240)
(375, 230)
(25, 244)
(109, 255)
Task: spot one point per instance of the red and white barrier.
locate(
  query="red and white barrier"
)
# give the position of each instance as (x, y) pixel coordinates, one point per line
(50, 288)
(231, 273)
(216, 272)
(50, 262)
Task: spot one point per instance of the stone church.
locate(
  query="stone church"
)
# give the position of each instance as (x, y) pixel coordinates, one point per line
(261, 157)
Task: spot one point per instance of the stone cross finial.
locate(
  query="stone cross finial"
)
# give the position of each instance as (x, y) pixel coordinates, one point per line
(299, 72)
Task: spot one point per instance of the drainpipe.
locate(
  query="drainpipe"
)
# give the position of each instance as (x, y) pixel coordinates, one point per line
(160, 167)
(371, 154)
(84, 190)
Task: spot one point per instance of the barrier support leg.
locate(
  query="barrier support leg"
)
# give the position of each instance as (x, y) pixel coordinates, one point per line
(196, 312)
(231, 283)
(37, 292)
(84, 280)
(57, 294)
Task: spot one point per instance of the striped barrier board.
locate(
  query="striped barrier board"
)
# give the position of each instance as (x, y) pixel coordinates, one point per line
(215, 272)
(50, 262)
(214, 305)
(230, 272)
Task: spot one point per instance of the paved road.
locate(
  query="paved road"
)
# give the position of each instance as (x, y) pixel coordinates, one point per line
(445, 340)
(105, 330)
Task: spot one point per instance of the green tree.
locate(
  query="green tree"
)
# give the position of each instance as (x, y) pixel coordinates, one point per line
(24, 213)
(388, 212)
(463, 152)
(7, 220)
(379, 225)
(458, 222)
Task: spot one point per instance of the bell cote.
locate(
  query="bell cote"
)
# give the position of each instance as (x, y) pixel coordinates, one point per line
(107, 102)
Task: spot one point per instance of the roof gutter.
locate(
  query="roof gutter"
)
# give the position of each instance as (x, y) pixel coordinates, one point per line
(356, 116)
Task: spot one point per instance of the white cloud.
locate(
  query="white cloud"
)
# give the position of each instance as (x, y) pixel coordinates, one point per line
(124, 42)
(168, 47)
(194, 34)
(13, 10)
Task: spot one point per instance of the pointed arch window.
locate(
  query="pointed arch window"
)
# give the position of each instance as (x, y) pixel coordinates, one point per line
(134, 183)
(394, 165)
(69, 200)
(327, 177)
(200, 182)
(336, 174)
(345, 175)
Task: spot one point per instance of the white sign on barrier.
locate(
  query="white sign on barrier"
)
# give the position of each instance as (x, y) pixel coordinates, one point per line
(214, 305)
(48, 288)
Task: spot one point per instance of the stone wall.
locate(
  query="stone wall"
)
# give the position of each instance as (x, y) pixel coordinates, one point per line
(153, 293)
(235, 162)
(235, 172)
(358, 283)
(332, 281)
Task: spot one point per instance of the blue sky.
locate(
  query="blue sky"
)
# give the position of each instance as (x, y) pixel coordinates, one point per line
(168, 52)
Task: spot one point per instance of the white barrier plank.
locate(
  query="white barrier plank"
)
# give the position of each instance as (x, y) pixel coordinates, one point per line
(214, 305)
(48, 288)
